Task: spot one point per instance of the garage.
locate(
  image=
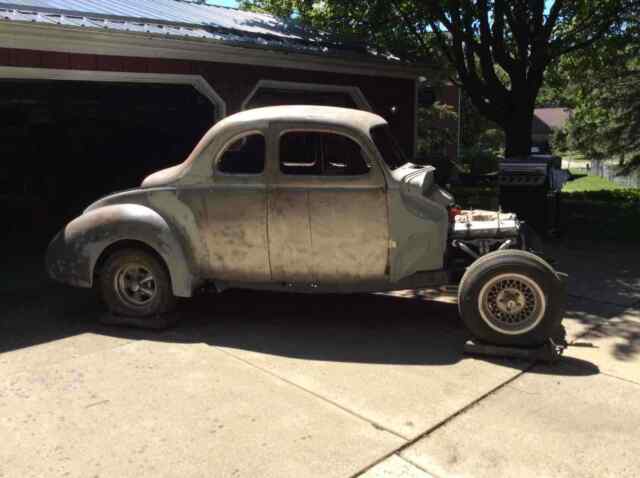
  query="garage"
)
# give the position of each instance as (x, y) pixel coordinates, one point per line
(96, 95)
(67, 143)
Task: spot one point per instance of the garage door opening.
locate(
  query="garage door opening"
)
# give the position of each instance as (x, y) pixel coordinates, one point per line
(65, 144)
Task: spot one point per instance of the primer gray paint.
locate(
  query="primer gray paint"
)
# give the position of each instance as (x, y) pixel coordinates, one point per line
(267, 229)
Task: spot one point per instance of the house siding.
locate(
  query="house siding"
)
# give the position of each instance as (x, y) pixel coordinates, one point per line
(234, 82)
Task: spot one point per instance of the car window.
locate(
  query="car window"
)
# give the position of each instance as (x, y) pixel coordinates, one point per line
(389, 148)
(245, 156)
(300, 153)
(314, 153)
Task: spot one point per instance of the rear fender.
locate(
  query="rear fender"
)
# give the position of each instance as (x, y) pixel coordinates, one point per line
(73, 254)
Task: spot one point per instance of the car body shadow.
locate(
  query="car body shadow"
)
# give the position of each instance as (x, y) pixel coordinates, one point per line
(410, 329)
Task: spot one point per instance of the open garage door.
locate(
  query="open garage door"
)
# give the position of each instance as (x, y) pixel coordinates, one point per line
(64, 144)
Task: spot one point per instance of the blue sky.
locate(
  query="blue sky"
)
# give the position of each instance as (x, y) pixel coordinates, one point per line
(224, 3)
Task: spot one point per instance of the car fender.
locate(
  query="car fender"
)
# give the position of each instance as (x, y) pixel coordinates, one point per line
(74, 252)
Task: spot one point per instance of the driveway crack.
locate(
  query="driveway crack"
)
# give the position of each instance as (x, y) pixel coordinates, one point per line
(419, 467)
(444, 422)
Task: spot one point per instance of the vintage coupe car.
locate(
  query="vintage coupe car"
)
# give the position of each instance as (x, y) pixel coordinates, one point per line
(308, 199)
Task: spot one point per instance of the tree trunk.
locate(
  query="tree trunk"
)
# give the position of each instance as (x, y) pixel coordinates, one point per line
(517, 132)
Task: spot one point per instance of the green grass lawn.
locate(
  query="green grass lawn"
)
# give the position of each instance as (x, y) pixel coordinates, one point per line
(590, 183)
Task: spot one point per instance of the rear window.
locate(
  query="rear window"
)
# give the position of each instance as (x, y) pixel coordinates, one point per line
(245, 156)
(388, 147)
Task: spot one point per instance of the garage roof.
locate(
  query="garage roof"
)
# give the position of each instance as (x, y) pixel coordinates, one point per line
(181, 18)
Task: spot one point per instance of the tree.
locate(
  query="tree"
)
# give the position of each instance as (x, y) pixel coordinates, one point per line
(602, 86)
(433, 139)
(498, 49)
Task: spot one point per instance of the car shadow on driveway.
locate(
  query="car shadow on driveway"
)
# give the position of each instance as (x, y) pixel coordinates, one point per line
(363, 328)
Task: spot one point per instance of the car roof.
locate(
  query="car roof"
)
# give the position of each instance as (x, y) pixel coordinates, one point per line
(255, 119)
(328, 115)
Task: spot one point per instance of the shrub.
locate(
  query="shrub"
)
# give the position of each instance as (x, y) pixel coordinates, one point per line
(609, 214)
(481, 161)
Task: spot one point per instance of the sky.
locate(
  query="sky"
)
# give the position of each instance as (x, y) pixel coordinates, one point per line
(224, 3)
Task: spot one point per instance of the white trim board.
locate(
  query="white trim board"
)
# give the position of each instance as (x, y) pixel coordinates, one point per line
(102, 42)
(356, 94)
(197, 81)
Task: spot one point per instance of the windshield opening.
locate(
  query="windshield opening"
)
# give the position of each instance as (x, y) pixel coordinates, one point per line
(388, 146)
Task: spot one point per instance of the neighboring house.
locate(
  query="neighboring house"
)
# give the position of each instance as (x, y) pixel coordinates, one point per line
(121, 88)
(545, 121)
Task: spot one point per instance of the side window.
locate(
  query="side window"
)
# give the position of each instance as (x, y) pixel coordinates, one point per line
(343, 156)
(328, 154)
(300, 153)
(245, 156)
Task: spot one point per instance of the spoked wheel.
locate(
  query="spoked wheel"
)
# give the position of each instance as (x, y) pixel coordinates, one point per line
(511, 297)
(134, 283)
(512, 304)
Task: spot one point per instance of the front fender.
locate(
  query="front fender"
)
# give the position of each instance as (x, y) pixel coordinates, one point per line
(74, 251)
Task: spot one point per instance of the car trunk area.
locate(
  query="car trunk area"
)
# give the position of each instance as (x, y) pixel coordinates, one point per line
(65, 144)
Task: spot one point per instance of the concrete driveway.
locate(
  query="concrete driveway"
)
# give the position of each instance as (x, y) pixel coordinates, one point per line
(258, 384)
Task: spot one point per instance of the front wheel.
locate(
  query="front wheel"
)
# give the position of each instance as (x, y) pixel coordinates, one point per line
(134, 283)
(511, 297)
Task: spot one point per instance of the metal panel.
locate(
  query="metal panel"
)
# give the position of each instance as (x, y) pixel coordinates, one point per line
(290, 250)
(350, 234)
(172, 18)
(232, 225)
(172, 11)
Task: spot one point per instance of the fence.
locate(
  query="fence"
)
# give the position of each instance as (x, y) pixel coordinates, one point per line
(610, 172)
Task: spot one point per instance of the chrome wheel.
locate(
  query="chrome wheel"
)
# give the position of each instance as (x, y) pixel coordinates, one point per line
(135, 285)
(512, 304)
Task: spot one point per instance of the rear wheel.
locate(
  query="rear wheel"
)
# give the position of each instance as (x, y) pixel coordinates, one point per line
(134, 283)
(511, 297)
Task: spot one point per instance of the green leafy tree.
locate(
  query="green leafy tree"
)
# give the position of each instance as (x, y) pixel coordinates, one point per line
(433, 139)
(560, 140)
(498, 49)
(604, 87)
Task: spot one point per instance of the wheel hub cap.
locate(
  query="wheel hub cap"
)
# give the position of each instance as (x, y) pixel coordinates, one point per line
(135, 284)
(511, 301)
(512, 304)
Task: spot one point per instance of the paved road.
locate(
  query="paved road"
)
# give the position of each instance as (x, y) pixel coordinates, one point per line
(258, 384)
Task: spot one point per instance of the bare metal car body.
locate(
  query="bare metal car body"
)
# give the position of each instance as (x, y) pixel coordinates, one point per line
(384, 230)
(359, 232)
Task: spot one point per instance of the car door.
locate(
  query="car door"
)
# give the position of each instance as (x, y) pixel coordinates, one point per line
(340, 232)
(234, 211)
(289, 225)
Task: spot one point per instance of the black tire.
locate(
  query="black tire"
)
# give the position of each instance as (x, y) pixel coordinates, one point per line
(512, 297)
(134, 283)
